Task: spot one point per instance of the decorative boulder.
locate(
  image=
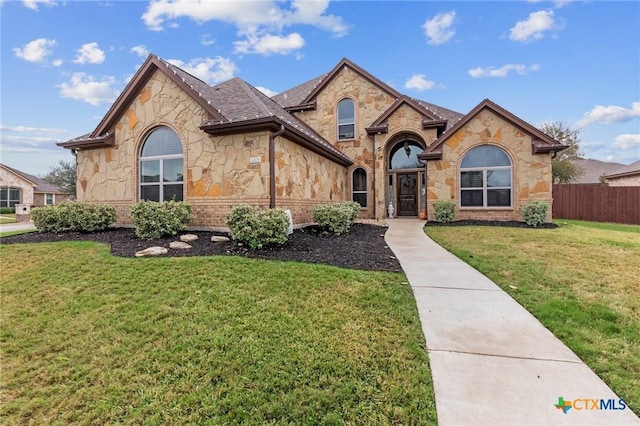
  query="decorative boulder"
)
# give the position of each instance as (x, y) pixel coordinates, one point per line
(179, 245)
(152, 251)
(219, 239)
(187, 238)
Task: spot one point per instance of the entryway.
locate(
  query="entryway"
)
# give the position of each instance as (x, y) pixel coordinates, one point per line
(407, 194)
(406, 177)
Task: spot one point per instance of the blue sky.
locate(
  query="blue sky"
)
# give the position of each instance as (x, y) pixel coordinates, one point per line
(64, 62)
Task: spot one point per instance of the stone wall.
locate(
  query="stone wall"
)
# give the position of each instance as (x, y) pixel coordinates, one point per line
(531, 174)
(304, 179)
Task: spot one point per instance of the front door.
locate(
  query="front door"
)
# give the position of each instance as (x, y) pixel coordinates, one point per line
(407, 194)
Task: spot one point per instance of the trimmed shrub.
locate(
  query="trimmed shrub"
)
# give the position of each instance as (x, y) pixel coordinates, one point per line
(258, 228)
(7, 210)
(73, 216)
(444, 211)
(534, 213)
(336, 218)
(155, 220)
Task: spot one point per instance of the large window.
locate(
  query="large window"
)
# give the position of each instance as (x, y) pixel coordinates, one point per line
(9, 196)
(485, 178)
(161, 176)
(346, 119)
(359, 186)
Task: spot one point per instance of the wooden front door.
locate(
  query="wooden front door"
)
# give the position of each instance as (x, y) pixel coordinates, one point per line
(407, 194)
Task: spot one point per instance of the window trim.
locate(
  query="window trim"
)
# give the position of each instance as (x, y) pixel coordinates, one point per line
(8, 200)
(366, 185)
(485, 188)
(353, 123)
(161, 159)
(53, 199)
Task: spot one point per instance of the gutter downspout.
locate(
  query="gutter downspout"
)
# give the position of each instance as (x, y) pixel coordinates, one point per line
(272, 166)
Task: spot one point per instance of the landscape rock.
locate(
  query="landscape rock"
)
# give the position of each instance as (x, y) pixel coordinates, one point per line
(219, 239)
(152, 251)
(187, 238)
(179, 245)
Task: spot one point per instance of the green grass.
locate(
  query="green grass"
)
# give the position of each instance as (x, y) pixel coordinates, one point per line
(88, 338)
(579, 280)
(7, 218)
(17, 232)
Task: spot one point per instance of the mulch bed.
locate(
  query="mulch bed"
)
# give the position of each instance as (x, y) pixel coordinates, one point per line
(362, 248)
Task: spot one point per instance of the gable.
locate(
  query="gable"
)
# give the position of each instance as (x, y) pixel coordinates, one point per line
(541, 143)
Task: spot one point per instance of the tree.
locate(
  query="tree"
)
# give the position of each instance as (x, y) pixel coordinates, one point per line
(563, 170)
(63, 175)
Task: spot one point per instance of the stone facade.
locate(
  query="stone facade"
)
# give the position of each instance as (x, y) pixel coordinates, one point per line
(226, 158)
(531, 174)
(221, 171)
(7, 178)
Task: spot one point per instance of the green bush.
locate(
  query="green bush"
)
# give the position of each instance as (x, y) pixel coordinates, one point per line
(155, 220)
(258, 228)
(73, 216)
(444, 211)
(336, 218)
(7, 210)
(534, 213)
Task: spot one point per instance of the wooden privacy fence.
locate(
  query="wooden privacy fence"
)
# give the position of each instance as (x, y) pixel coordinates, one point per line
(598, 203)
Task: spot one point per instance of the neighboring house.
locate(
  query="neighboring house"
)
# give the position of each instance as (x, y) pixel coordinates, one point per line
(345, 135)
(17, 187)
(594, 171)
(625, 175)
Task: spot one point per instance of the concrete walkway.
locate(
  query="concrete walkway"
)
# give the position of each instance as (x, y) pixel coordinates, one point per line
(492, 362)
(6, 227)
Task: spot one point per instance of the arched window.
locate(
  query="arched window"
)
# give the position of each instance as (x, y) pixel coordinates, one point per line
(346, 119)
(405, 156)
(359, 186)
(161, 176)
(485, 178)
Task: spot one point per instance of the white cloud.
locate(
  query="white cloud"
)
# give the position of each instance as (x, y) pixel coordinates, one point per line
(609, 115)
(87, 88)
(419, 82)
(534, 27)
(25, 129)
(269, 44)
(502, 71)
(36, 50)
(245, 14)
(211, 70)
(266, 91)
(34, 4)
(90, 53)
(438, 29)
(140, 50)
(627, 142)
(206, 40)
(260, 22)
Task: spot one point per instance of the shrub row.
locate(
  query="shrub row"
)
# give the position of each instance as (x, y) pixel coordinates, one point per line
(534, 213)
(7, 210)
(73, 216)
(258, 228)
(336, 218)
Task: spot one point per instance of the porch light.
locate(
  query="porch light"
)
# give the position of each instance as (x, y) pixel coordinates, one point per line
(407, 149)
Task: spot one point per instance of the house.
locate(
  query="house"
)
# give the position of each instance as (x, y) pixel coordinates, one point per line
(625, 175)
(344, 135)
(17, 187)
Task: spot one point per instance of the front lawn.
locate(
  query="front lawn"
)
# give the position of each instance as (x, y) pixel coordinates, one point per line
(579, 280)
(7, 218)
(88, 338)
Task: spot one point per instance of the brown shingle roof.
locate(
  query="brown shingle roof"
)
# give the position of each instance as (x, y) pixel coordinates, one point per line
(631, 169)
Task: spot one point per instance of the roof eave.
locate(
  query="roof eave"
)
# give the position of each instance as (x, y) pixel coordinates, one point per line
(433, 155)
(106, 141)
(376, 130)
(539, 147)
(309, 106)
(273, 124)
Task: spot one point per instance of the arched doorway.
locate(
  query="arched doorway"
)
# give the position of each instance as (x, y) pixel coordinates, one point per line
(406, 176)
